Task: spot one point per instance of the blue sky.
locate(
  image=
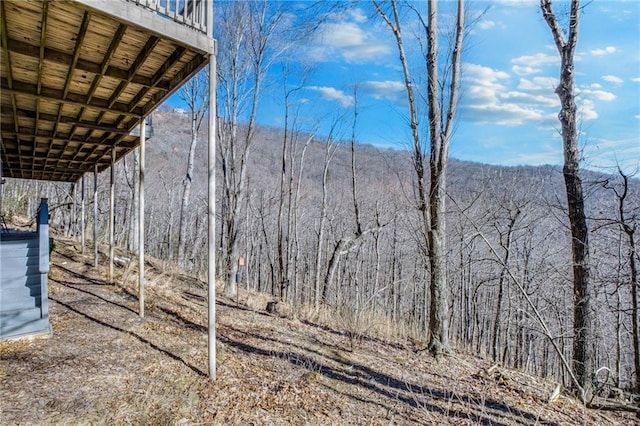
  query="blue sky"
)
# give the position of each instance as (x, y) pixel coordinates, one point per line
(508, 108)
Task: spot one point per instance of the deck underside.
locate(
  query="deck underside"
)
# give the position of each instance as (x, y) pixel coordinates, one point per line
(76, 80)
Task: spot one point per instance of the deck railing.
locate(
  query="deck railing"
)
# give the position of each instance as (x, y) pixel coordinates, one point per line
(191, 13)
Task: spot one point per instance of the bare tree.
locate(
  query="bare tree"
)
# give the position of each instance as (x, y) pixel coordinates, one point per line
(441, 113)
(331, 146)
(627, 220)
(251, 37)
(582, 321)
(195, 94)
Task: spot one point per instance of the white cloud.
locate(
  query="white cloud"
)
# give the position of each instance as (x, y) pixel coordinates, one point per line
(526, 98)
(489, 99)
(358, 15)
(602, 52)
(347, 40)
(486, 25)
(503, 114)
(481, 74)
(389, 89)
(520, 70)
(587, 110)
(538, 84)
(599, 95)
(535, 61)
(333, 94)
(485, 83)
(636, 79)
(612, 79)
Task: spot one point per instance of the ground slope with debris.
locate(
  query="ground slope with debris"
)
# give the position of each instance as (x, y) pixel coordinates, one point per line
(104, 364)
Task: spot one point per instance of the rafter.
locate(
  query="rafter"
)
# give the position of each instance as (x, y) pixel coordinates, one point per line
(144, 54)
(41, 134)
(72, 98)
(61, 58)
(81, 123)
(43, 37)
(7, 61)
(65, 104)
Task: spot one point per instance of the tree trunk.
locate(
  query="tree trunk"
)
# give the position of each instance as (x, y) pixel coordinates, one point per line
(582, 321)
(432, 205)
(440, 135)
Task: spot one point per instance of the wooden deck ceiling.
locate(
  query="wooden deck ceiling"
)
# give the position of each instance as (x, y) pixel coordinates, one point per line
(77, 76)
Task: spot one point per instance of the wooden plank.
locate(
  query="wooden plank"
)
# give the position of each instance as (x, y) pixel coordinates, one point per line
(86, 124)
(61, 58)
(72, 98)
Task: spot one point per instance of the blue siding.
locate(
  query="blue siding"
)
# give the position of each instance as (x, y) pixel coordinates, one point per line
(22, 284)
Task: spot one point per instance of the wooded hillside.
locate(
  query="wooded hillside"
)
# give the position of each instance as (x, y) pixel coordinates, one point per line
(508, 262)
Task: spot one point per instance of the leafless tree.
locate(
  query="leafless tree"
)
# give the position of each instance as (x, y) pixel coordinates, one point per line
(627, 221)
(441, 113)
(582, 321)
(251, 35)
(195, 95)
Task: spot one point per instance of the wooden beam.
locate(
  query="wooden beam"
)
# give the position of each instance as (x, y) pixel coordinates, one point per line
(71, 120)
(61, 58)
(76, 52)
(43, 134)
(72, 98)
(43, 37)
(96, 80)
(105, 61)
(8, 67)
(189, 70)
(151, 43)
(166, 66)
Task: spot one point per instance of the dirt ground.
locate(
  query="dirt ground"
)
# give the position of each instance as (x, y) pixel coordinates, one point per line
(106, 365)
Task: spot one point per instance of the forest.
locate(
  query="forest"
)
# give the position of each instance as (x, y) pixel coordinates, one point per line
(321, 221)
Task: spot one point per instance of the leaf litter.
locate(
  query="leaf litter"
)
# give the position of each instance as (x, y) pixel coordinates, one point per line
(106, 365)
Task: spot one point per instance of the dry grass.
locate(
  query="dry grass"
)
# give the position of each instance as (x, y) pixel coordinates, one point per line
(105, 365)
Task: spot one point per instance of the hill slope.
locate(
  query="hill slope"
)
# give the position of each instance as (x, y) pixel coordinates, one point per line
(106, 365)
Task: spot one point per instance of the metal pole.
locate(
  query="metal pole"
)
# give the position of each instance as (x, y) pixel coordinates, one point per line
(141, 218)
(1, 184)
(73, 226)
(212, 202)
(95, 215)
(112, 196)
(82, 224)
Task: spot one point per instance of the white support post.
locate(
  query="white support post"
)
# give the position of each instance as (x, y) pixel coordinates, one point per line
(43, 250)
(112, 196)
(1, 184)
(141, 218)
(95, 216)
(212, 203)
(73, 226)
(82, 222)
